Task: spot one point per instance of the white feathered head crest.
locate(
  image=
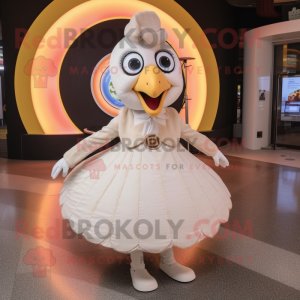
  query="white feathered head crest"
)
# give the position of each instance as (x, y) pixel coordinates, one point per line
(145, 26)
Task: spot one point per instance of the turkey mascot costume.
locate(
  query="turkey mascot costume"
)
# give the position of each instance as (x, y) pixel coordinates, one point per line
(151, 196)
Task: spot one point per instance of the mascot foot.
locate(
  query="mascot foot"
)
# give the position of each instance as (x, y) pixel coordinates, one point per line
(178, 272)
(142, 280)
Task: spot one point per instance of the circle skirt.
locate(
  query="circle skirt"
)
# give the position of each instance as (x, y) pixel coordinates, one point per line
(141, 199)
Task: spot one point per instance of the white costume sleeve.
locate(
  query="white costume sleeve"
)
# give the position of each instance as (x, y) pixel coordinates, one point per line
(92, 143)
(198, 140)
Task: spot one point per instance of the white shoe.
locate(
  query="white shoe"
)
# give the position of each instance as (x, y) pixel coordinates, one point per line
(142, 280)
(178, 272)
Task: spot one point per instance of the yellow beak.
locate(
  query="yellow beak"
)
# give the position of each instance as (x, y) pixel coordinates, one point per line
(153, 83)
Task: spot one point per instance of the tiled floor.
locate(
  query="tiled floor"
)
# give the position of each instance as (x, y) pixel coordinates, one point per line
(285, 157)
(262, 263)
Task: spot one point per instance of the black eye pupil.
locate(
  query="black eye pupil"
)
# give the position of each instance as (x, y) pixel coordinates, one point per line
(165, 61)
(134, 64)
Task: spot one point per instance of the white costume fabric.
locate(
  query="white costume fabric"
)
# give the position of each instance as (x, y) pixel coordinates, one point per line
(151, 191)
(130, 197)
(150, 124)
(148, 193)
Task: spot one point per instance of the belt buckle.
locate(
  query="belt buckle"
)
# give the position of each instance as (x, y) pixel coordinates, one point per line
(152, 141)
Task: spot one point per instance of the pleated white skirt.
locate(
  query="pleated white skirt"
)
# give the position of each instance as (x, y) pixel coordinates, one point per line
(144, 199)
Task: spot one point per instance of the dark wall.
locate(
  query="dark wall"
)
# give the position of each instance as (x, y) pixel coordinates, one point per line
(15, 14)
(286, 9)
(216, 14)
(247, 18)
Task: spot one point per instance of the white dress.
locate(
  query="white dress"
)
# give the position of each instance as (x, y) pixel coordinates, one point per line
(133, 199)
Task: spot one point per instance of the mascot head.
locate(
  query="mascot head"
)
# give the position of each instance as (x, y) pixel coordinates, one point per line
(145, 70)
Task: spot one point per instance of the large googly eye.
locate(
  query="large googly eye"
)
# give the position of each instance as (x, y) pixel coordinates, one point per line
(165, 61)
(132, 63)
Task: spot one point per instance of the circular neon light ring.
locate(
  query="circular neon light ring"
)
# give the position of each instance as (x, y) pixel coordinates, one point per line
(47, 103)
(51, 113)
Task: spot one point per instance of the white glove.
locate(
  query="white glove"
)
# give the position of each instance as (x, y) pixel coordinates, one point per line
(60, 165)
(220, 159)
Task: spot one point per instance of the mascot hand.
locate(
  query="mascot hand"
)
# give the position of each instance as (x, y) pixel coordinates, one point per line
(220, 159)
(60, 165)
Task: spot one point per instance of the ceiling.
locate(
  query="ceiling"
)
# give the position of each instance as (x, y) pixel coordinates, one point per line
(252, 3)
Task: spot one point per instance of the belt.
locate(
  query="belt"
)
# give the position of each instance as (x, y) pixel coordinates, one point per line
(152, 141)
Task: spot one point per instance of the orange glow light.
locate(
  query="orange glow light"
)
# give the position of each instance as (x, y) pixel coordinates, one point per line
(47, 102)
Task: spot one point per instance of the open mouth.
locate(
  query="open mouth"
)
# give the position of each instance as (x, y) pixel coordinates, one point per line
(152, 103)
(152, 106)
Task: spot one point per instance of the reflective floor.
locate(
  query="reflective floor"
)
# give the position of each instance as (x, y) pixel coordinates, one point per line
(255, 256)
(282, 156)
